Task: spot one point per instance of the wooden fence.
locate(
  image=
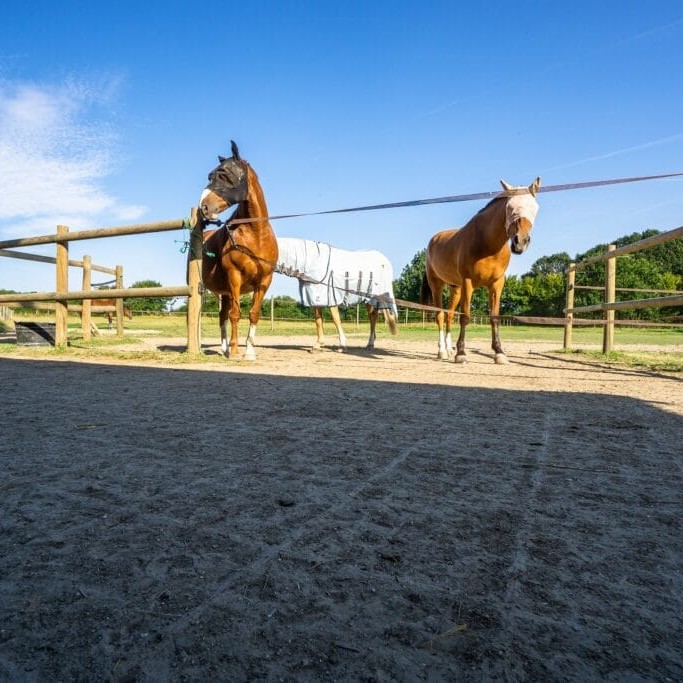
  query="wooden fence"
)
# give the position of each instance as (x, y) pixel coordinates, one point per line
(62, 295)
(86, 309)
(610, 304)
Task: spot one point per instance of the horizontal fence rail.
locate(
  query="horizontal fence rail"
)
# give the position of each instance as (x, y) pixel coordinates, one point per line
(96, 233)
(610, 305)
(61, 296)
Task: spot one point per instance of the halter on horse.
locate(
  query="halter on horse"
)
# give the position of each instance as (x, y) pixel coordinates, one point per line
(475, 256)
(331, 277)
(240, 256)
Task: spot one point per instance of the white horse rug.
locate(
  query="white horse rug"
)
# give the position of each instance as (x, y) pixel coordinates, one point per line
(335, 277)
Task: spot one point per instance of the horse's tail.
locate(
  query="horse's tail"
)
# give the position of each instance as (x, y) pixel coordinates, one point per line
(426, 292)
(390, 320)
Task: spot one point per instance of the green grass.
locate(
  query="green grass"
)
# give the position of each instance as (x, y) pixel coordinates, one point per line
(586, 340)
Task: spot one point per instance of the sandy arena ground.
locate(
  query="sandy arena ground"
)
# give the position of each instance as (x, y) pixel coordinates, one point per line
(324, 517)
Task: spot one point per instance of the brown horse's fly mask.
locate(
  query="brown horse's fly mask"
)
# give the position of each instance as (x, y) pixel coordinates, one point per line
(228, 181)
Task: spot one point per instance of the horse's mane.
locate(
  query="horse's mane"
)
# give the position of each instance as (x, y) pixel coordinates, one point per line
(493, 201)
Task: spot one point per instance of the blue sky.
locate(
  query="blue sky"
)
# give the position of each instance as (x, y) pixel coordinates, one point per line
(113, 113)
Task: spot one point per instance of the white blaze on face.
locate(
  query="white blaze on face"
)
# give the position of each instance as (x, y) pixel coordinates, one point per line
(205, 194)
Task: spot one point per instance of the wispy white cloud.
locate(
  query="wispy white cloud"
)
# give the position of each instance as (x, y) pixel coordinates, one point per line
(619, 152)
(56, 150)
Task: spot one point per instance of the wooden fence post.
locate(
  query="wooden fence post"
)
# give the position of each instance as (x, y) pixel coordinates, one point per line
(610, 296)
(62, 287)
(86, 319)
(194, 281)
(571, 279)
(119, 302)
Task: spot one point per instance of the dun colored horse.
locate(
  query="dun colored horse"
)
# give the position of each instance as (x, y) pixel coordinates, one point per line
(110, 314)
(330, 277)
(240, 256)
(478, 255)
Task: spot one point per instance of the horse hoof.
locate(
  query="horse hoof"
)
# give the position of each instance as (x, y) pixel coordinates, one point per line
(501, 359)
(461, 359)
(442, 355)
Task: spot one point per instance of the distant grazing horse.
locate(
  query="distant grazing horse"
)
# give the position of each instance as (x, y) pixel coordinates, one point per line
(239, 257)
(475, 256)
(110, 314)
(331, 277)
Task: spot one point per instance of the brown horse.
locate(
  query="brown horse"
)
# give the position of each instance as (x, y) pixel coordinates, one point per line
(478, 255)
(110, 314)
(240, 256)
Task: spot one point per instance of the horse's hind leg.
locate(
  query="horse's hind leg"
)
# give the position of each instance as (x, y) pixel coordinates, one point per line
(223, 324)
(443, 352)
(319, 331)
(372, 317)
(334, 312)
(450, 315)
(466, 300)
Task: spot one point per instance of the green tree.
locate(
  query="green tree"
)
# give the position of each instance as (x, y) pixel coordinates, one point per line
(546, 265)
(148, 304)
(409, 283)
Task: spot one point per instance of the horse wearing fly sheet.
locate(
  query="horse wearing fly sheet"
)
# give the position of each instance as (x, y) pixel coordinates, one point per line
(240, 256)
(330, 277)
(478, 255)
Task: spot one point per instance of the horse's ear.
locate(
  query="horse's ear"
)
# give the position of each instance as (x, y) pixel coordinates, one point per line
(506, 186)
(535, 186)
(235, 151)
(220, 159)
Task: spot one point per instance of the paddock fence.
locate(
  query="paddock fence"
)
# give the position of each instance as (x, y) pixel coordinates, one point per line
(86, 309)
(610, 304)
(61, 296)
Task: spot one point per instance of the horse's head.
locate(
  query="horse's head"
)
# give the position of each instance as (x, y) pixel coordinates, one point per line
(127, 312)
(520, 212)
(227, 185)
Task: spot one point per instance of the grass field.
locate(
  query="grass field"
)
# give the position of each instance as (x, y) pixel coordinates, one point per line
(586, 340)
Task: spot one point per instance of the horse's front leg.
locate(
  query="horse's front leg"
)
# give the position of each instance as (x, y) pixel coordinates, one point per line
(494, 306)
(372, 317)
(255, 316)
(466, 300)
(334, 312)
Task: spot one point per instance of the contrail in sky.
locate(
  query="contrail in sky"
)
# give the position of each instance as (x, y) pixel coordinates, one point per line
(619, 152)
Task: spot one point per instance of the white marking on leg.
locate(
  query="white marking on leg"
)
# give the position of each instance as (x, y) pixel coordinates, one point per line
(250, 353)
(443, 351)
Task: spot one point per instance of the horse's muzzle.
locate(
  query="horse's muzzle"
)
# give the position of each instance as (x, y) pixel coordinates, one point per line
(518, 245)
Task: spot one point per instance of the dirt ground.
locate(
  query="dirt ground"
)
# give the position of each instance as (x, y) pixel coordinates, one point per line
(323, 517)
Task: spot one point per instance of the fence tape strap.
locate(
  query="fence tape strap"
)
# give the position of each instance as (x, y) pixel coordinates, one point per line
(466, 197)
